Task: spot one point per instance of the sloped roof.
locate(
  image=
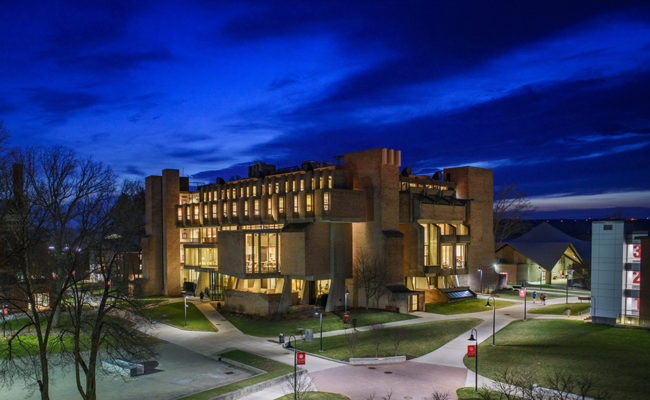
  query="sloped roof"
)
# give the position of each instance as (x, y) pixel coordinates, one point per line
(545, 245)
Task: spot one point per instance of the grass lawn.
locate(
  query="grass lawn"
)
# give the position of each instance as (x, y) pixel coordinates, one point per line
(558, 309)
(514, 294)
(617, 358)
(173, 314)
(316, 396)
(273, 369)
(417, 340)
(29, 345)
(331, 322)
(462, 307)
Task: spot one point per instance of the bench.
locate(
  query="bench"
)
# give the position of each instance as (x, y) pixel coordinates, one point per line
(392, 308)
(124, 368)
(588, 298)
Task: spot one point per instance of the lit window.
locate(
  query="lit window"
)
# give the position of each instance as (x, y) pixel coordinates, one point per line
(214, 211)
(270, 188)
(286, 186)
(246, 208)
(460, 255)
(322, 181)
(228, 194)
(242, 191)
(302, 185)
(188, 213)
(180, 213)
(254, 190)
(225, 210)
(308, 202)
(205, 211)
(257, 207)
(263, 189)
(248, 191)
(196, 212)
(295, 185)
(313, 184)
(269, 207)
(329, 182)
(234, 209)
(234, 193)
(277, 187)
(281, 205)
(326, 201)
(295, 204)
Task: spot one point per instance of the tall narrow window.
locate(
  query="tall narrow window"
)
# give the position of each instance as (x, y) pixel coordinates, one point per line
(234, 209)
(246, 208)
(295, 184)
(302, 184)
(329, 181)
(205, 212)
(196, 212)
(308, 200)
(281, 205)
(248, 191)
(188, 213)
(242, 191)
(228, 193)
(313, 184)
(446, 256)
(269, 207)
(234, 193)
(180, 214)
(295, 204)
(460, 255)
(270, 188)
(225, 210)
(277, 187)
(257, 207)
(254, 190)
(286, 186)
(326, 201)
(322, 182)
(214, 211)
(263, 189)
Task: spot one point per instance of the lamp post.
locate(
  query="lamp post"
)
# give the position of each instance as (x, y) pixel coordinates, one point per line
(480, 271)
(295, 369)
(473, 338)
(185, 309)
(494, 315)
(567, 285)
(347, 293)
(320, 313)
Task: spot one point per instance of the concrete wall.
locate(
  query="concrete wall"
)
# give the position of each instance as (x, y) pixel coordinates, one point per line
(476, 184)
(606, 270)
(252, 303)
(231, 252)
(442, 213)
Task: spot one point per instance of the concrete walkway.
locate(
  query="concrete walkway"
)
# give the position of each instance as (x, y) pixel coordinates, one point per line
(353, 381)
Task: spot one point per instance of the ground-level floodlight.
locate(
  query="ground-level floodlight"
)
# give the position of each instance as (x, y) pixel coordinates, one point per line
(185, 309)
(494, 315)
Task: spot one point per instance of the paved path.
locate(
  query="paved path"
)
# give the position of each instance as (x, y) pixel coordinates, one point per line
(443, 368)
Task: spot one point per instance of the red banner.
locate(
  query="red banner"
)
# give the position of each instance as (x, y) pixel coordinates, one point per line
(522, 292)
(300, 358)
(471, 350)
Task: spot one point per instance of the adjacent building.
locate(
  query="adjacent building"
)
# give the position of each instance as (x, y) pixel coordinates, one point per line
(617, 266)
(543, 254)
(282, 237)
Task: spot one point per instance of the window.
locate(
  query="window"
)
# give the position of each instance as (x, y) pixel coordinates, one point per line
(263, 189)
(322, 182)
(206, 215)
(254, 190)
(295, 204)
(257, 207)
(329, 182)
(42, 300)
(269, 207)
(261, 254)
(313, 184)
(234, 193)
(246, 208)
(277, 187)
(188, 213)
(326, 201)
(302, 184)
(460, 255)
(308, 200)
(270, 188)
(234, 209)
(295, 185)
(179, 217)
(281, 205)
(446, 256)
(228, 194)
(243, 191)
(430, 244)
(196, 212)
(225, 210)
(286, 186)
(248, 191)
(214, 211)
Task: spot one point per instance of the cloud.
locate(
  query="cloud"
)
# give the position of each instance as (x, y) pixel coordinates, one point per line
(115, 61)
(613, 150)
(61, 101)
(564, 201)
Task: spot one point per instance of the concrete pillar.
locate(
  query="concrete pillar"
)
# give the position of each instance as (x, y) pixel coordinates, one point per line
(171, 239)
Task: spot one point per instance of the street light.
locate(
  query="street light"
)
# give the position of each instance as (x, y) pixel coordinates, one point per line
(567, 285)
(185, 309)
(473, 338)
(480, 270)
(320, 313)
(295, 374)
(494, 315)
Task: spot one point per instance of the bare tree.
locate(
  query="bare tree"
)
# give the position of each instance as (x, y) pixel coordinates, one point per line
(377, 332)
(302, 385)
(436, 395)
(511, 207)
(371, 276)
(352, 339)
(97, 310)
(397, 335)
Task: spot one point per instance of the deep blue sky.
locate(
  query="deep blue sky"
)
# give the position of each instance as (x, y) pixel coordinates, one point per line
(553, 95)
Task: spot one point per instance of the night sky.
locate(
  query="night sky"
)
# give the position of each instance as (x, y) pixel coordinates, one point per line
(552, 95)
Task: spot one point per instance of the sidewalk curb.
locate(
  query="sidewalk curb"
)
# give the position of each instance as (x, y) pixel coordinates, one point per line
(239, 393)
